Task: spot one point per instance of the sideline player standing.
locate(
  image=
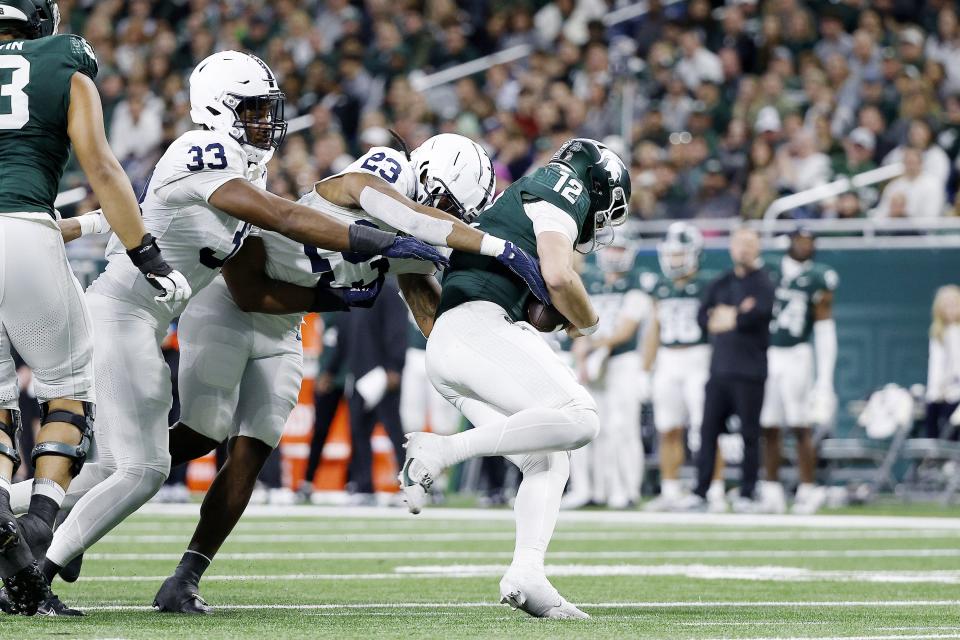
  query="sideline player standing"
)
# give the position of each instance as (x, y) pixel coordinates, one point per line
(500, 373)
(49, 102)
(676, 348)
(610, 469)
(799, 395)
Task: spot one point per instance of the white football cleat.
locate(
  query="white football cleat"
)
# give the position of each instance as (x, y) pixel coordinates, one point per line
(532, 593)
(810, 499)
(422, 466)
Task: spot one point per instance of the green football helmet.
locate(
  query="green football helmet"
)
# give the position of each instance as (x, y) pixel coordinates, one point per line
(41, 18)
(607, 182)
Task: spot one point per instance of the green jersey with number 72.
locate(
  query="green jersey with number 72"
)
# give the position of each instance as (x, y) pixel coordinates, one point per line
(35, 80)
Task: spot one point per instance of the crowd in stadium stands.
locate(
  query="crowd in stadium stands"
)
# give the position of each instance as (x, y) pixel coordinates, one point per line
(726, 106)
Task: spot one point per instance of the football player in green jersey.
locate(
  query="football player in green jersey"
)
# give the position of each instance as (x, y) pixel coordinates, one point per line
(48, 103)
(676, 350)
(500, 373)
(609, 470)
(799, 395)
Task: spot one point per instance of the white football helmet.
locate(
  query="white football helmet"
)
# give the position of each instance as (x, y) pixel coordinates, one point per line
(679, 252)
(454, 174)
(237, 93)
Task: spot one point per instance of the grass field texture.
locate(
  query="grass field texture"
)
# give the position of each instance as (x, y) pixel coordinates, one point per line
(304, 572)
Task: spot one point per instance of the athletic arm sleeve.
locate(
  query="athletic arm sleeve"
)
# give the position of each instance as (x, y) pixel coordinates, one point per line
(825, 348)
(400, 216)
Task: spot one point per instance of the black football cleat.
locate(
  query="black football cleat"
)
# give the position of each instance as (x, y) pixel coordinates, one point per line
(26, 589)
(71, 571)
(37, 534)
(54, 606)
(6, 604)
(177, 595)
(21, 575)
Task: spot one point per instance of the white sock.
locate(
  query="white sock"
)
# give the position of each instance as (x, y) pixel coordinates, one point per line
(670, 488)
(530, 431)
(717, 490)
(537, 506)
(49, 488)
(580, 481)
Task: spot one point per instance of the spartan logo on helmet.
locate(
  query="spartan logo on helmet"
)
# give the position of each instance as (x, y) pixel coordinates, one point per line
(608, 185)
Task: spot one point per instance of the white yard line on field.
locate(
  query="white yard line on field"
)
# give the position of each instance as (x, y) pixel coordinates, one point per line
(553, 555)
(424, 536)
(693, 571)
(281, 527)
(725, 604)
(606, 517)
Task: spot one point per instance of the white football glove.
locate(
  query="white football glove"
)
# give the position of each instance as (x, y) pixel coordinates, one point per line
(148, 258)
(644, 386)
(823, 406)
(94, 222)
(174, 285)
(596, 363)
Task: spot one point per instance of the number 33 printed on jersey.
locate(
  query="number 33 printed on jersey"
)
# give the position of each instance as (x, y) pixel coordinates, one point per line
(14, 102)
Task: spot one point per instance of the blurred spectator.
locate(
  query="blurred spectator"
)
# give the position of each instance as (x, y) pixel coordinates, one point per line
(935, 160)
(697, 63)
(943, 368)
(799, 165)
(915, 194)
(690, 69)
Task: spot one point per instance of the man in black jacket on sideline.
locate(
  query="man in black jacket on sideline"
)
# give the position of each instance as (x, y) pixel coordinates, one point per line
(736, 312)
(373, 343)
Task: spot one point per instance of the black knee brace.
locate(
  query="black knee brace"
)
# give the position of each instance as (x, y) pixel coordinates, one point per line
(12, 430)
(78, 452)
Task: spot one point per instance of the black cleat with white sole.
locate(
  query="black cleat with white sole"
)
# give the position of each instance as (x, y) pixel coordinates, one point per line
(54, 606)
(25, 585)
(177, 595)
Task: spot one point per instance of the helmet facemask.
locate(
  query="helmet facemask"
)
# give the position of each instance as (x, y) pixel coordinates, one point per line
(437, 194)
(259, 122)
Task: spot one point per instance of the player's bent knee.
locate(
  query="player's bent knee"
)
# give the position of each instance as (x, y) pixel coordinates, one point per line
(586, 426)
(556, 463)
(12, 429)
(76, 453)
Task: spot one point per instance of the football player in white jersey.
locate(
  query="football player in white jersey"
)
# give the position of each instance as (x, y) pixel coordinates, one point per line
(240, 372)
(205, 193)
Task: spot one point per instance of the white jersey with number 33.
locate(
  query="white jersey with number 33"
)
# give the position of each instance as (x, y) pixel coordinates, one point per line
(196, 237)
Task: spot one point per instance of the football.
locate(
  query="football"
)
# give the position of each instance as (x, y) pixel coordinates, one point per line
(545, 318)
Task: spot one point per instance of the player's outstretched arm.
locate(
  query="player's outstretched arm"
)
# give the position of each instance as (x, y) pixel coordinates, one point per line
(254, 291)
(245, 201)
(422, 295)
(103, 170)
(110, 184)
(385, 203)
(381, 201)
(566, 288)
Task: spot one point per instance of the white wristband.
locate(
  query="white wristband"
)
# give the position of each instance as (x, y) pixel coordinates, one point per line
(492, 245)
(589, 331)
(90, 222)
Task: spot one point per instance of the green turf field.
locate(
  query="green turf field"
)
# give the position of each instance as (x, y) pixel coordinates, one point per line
(319, 572)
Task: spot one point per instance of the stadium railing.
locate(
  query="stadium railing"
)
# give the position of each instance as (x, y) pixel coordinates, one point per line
(831, 190)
